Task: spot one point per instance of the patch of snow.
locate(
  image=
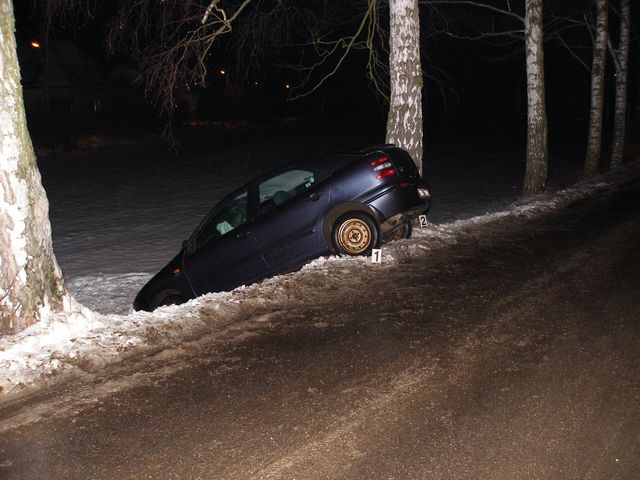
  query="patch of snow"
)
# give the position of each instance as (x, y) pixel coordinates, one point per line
(122, 288)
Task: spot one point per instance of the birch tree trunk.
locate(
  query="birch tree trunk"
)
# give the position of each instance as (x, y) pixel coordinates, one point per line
(535, 176)
(29, 275)
(594, 140)
(404, 123)
(620, 119)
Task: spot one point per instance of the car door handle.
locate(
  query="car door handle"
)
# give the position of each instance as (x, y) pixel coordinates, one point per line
(314, 196)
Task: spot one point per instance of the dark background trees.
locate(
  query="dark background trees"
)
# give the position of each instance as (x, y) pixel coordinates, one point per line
(472, 88)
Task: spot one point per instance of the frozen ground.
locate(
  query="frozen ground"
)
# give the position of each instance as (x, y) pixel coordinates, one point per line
(119, 213)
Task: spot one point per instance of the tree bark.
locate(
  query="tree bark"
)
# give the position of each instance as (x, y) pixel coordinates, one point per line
(404, 123)
(620, 119)
(594, 140)
(30, 278)
(537, 151)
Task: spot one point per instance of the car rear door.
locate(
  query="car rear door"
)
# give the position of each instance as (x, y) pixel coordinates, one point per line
(288, 227)
(225, 251)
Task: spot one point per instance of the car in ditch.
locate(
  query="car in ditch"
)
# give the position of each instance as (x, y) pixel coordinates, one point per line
(330, 203)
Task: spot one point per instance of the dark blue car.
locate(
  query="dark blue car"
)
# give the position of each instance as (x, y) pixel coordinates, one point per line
(333, 203)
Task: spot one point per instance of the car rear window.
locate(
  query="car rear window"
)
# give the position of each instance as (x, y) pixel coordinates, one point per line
(281, 187)
(300, 176)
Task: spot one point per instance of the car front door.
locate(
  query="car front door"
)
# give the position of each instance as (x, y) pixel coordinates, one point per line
(224, 251)
(291, 204)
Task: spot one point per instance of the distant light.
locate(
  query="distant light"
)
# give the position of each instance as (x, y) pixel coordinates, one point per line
(222, 72)
(255, 83)
(287, 86)
(35, 44)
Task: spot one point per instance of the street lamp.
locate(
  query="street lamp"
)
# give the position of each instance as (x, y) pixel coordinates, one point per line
(44, 57)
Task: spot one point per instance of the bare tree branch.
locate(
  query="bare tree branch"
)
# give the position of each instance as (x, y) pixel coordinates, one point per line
(614, 55)
(491, 8)
(347, 43)
(573, 53)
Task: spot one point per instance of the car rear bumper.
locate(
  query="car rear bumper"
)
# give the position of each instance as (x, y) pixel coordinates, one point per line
(403, 198)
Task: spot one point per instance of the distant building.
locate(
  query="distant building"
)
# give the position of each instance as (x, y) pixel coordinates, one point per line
(62, 86)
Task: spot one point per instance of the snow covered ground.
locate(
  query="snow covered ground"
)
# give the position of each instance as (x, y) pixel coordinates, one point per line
(119, 213)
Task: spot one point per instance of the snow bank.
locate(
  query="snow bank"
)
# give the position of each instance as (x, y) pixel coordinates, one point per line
(85, 340)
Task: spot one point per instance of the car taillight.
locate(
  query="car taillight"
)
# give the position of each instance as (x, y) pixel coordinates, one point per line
(383, 167)
(386, 173)
(380, 160)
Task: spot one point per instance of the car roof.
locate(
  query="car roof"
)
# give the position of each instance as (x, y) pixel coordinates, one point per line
(330, 161)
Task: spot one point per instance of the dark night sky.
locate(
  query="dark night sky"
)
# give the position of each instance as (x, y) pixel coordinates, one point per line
(475, 91)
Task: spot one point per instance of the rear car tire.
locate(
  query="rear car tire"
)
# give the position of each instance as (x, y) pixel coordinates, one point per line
(402, 233)
(165, 298)
(354, 234)
(407, 230)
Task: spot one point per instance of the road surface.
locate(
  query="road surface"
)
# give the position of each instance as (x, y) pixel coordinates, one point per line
(513, 353)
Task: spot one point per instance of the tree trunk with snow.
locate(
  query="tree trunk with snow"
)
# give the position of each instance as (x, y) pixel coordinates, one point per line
(404, 123)
(620, 119)
(594, 140)
(29, 275)
(537, 151)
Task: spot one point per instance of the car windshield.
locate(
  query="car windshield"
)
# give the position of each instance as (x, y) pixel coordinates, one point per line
(228, 216)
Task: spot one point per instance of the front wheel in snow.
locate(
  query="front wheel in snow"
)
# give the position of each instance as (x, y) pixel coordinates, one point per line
(165, 298)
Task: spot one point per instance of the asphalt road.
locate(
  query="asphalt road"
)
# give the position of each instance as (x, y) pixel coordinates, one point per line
(511, 354)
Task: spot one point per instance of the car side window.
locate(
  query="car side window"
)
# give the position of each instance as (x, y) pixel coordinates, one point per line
(276, 190)
(229, 216)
